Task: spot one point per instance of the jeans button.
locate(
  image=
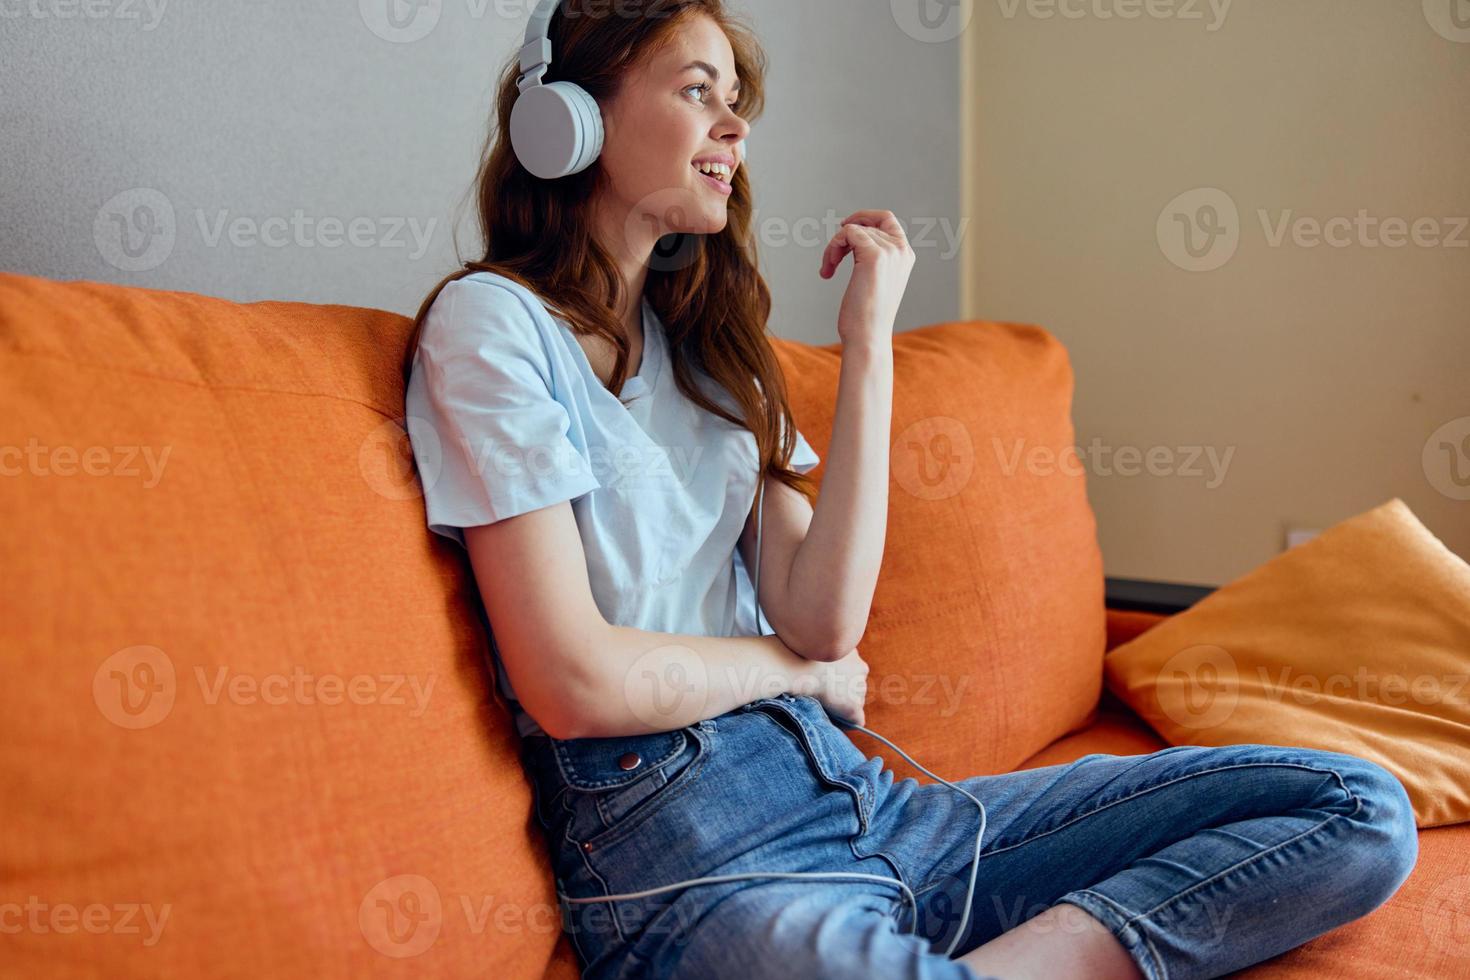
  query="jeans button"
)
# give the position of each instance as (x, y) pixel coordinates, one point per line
(630, 761)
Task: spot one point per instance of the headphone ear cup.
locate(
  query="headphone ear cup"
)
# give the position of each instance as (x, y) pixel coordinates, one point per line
(591, 132)
(556, 129)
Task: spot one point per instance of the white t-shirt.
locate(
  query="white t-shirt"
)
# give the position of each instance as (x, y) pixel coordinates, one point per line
(505, 415)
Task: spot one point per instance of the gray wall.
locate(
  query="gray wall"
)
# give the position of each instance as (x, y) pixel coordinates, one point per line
(305, 123)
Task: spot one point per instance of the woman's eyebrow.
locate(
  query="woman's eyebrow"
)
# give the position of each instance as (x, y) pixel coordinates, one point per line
(710, 70)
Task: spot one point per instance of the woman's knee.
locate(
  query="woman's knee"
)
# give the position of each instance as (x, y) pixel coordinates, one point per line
(1388, 838)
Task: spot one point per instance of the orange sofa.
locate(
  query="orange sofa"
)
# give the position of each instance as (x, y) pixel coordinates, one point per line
(249, 725)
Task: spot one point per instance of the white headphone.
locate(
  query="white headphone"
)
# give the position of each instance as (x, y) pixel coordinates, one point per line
(556, 127)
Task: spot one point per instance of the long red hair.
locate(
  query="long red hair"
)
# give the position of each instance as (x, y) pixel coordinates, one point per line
(706, 289)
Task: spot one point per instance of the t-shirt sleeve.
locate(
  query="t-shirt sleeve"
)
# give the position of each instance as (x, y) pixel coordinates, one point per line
(803, 457)
(489, 438)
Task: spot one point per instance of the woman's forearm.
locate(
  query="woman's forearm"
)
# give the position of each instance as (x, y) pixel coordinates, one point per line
(835, 569)
(635, 682)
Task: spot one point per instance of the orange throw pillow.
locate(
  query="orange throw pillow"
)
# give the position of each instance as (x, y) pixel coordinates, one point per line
(1357, 641)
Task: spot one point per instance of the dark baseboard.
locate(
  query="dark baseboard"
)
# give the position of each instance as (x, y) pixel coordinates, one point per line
(1142, 595)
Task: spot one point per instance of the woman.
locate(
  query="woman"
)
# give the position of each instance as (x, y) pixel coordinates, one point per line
(603, 481)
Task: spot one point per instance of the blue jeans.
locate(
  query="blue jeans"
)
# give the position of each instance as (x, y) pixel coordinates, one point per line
(1199, 860)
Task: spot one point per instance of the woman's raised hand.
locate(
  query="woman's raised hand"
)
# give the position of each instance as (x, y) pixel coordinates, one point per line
(882, 260)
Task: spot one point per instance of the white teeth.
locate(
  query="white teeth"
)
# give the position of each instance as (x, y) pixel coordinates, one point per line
(720, 170)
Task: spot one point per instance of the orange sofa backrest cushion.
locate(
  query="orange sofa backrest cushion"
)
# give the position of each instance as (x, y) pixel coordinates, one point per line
(247, 717)
(988, 627)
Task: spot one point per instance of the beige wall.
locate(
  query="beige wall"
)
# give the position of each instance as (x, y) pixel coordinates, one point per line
(1325, 378)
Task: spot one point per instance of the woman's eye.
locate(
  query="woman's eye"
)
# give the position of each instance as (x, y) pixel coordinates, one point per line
(702, 88)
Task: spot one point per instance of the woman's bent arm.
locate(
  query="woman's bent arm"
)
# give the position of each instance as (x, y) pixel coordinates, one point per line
(634, 682)
(580, 677)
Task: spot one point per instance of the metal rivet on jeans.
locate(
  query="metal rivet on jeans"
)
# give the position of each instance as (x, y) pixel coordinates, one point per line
(630, 761)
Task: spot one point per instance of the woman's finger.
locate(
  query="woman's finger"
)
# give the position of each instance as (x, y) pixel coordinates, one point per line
(886, 220)
(867, 227)
(849, 239)
(878, 236)
(832, 255)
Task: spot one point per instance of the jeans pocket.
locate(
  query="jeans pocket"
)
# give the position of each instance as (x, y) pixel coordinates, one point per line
(618, 783)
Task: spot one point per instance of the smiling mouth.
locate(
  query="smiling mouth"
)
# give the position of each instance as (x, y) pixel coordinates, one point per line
(716, 175)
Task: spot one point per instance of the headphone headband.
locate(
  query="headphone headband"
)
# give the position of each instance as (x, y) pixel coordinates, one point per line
(536, 52)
